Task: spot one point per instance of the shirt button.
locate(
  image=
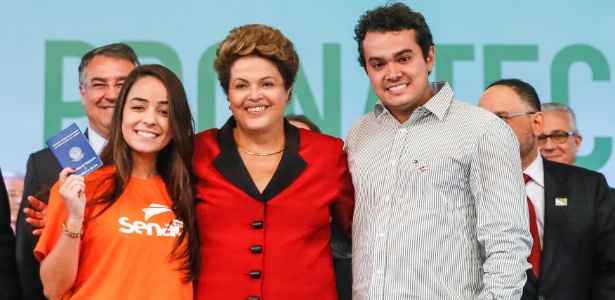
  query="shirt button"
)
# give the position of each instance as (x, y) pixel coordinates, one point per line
(393, 162)
(379, 272)
(387, 198)
(403, 130)
(381, 234)
(257, 225)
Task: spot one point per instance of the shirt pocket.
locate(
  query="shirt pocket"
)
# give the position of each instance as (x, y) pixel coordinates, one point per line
(438, 182)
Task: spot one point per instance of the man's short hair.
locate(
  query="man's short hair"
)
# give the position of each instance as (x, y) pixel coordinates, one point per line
(117, 50)
(559, 107)
(524, 90)
(393, 17)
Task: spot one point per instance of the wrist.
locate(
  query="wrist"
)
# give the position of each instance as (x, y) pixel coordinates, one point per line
(73, 227)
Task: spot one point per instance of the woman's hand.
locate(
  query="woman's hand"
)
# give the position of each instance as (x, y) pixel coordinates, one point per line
(72, 188)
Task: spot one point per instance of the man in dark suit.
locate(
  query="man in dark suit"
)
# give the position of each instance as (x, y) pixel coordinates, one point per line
(573, 207)
(560, 139)
(101, 75)
(9, 284)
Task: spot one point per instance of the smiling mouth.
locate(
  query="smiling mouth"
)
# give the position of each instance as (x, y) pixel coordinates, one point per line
(146, 134)
(398, 87)
(256, 109)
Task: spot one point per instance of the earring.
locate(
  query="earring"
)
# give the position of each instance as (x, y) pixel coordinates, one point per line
(288, 101)
(229, 107)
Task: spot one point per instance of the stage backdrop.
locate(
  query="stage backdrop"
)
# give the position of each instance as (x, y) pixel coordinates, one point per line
(564, 48)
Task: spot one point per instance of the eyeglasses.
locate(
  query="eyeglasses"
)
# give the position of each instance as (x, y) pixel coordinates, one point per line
(557, 136)
(100, 86)
(507, 117)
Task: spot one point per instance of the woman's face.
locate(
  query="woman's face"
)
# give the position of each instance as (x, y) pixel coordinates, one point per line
(145, 124)
(257, 94)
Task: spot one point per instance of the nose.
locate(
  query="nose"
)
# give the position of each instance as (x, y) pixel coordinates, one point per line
(393, 72)
(113, 92)
(149, 117)
(255, 93)
(548, 145)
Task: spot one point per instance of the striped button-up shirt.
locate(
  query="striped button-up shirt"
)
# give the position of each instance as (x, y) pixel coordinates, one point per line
(440, 207)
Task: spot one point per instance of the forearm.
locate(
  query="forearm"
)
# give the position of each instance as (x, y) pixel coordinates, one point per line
(59, 268)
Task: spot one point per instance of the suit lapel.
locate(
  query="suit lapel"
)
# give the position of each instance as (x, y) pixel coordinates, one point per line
(555, 216)
(229, 163)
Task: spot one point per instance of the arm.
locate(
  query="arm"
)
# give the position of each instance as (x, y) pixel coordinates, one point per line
(342, 209)
(9, 284)
(59, 268)
(604, 247)
(501, 209)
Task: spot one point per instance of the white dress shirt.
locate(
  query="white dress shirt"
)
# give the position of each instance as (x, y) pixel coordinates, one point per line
(535, 190)
(96, 140)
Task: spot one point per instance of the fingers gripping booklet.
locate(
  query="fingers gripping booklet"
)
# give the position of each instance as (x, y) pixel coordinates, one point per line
(73, 150)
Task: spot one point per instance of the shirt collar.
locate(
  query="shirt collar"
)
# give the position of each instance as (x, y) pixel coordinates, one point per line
(96, 140)
(536, 171)
(437, 105)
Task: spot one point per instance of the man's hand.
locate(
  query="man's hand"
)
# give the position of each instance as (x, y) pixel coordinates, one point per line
(37, 217)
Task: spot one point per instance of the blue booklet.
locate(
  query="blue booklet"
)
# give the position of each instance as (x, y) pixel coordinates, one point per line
(73, 150)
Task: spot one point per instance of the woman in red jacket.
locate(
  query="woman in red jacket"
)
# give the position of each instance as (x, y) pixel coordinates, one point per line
(266, 190)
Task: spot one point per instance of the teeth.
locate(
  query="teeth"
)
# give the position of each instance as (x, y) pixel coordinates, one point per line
(146, 134)
(397, 88)
(256, 109)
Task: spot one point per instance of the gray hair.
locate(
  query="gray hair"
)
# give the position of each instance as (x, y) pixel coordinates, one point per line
(117, 50)
(559, 107)
(12, 175)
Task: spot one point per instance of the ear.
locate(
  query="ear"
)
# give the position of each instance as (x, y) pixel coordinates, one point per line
(431, 57)
(577, 142)
(82, 93)
(538, 122)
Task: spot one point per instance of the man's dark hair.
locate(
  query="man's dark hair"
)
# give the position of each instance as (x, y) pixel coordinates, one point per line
(393, 17)
(117, 50)
(303, 119)
(526, 92)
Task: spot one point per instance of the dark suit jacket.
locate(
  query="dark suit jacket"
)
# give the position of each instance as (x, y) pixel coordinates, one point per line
(578, 256)
(9, 285)
(41, 173)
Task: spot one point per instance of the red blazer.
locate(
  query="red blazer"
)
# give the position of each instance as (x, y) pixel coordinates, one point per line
(273, 245)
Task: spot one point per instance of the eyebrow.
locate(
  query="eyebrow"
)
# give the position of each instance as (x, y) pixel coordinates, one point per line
(398, 54)
(163, 102)
(121, 78)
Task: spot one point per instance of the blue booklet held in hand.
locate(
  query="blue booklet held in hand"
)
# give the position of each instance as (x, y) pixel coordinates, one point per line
(73, 150)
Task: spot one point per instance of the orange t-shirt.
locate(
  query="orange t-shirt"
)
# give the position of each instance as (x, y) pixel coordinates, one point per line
(125, 251)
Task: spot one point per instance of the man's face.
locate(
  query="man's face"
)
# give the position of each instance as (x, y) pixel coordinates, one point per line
(104, 77)
(397, 70)
(558, 122)
(502, 100)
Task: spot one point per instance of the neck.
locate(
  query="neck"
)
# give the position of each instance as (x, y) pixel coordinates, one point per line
(144, 166)
(528, 159)
(268, 141)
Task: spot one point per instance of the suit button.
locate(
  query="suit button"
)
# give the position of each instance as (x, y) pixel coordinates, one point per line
(541, 298)
(253, 298)
(256, 249)
(255, 274)
(257, 225)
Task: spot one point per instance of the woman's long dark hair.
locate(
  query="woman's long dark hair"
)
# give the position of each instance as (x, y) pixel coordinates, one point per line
(174, 162)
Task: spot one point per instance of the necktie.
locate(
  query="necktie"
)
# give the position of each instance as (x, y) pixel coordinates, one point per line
(534, 258)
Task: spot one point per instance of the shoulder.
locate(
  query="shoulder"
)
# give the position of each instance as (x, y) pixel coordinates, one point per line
(319, 139)
(579, 173)
(46, 157)
(205, 136)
